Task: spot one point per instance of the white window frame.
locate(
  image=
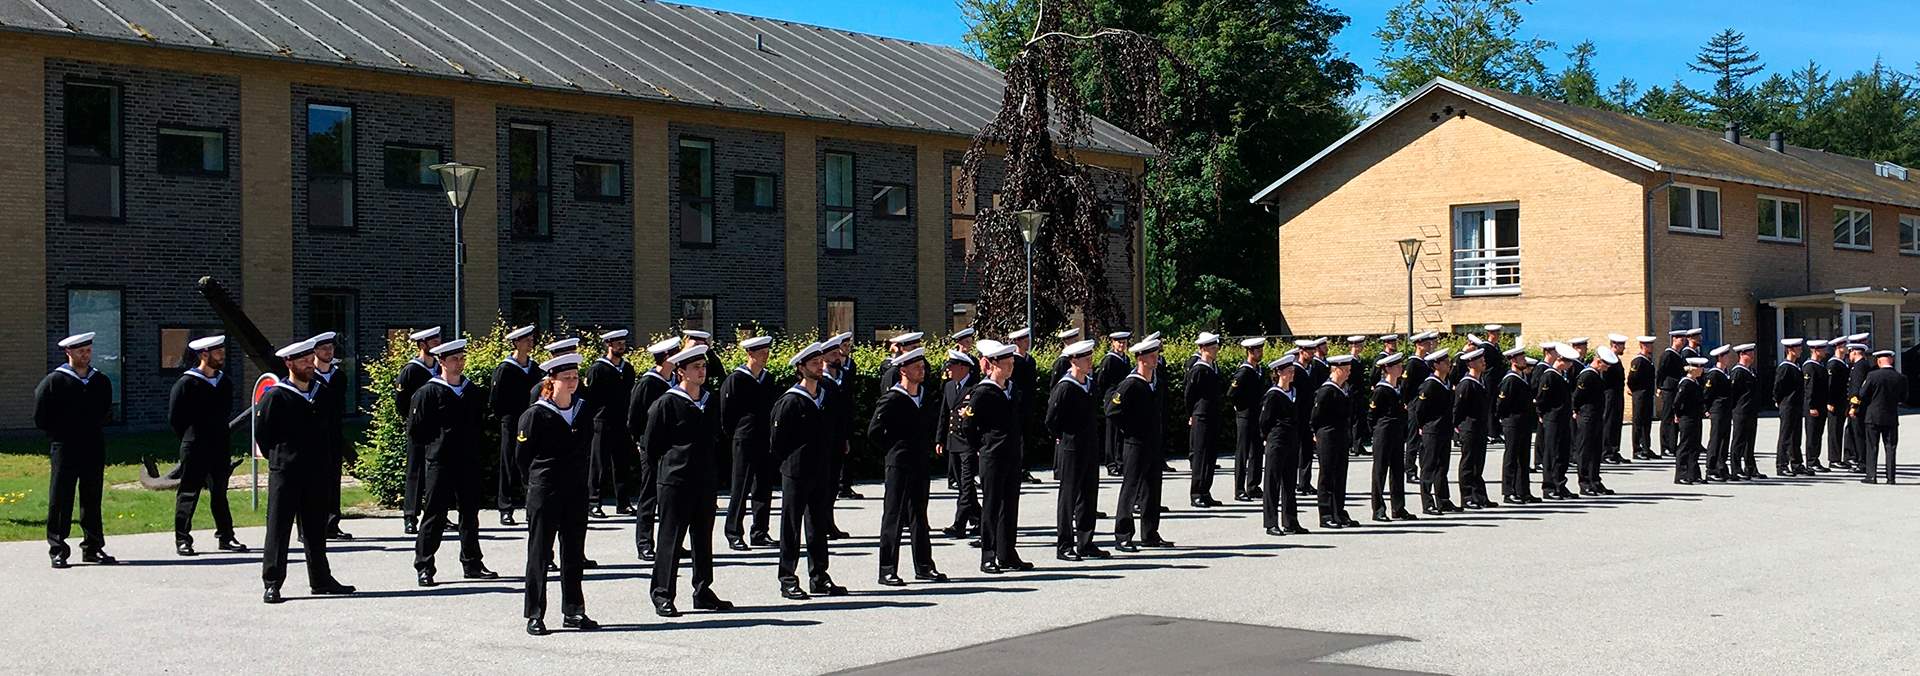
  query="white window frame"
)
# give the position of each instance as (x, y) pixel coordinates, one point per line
(1497, 267)
(1720, 322)
(1779, 210)
(1693, 210)
(1853, 215)
(1910, 222)
(1862, 322)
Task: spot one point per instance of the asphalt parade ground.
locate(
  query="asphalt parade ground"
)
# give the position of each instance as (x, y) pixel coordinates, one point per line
(1799, 575)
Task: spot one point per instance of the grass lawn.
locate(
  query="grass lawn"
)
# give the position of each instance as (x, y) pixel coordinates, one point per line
(24, 475)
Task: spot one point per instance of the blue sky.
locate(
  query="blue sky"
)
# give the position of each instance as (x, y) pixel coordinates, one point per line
(1650, 41)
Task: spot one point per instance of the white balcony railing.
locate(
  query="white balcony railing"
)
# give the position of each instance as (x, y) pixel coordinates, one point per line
(1486, 272)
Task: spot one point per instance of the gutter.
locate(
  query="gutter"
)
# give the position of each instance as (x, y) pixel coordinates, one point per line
(1647, 254)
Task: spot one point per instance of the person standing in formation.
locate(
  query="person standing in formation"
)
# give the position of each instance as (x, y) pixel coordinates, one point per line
(1332, 421)
(1716, 403)
(448, 415)
(1245, 392)
(1860, 368)
(1590, 407)
(1278, 417)
(605, 390)
(963, 344)
(1667, 375)
(516, 373)
(1359, 393)
(1387, 414)
(1835, 396)
(1616, 407)
(412, 376)
(1790, 404)
(902, 429)
(645, 389)
(552, 446)
(1418, 368)
(1433, 409)
(333, 397)
(800, 440)
(680, 440)
(1317, 372)
(838, 383)
(1688, 405)
(198, 409)
(951, 440)
(992, 427)
(1641, 383)
(1495, 372)
(1878, 407)
(1073, 422)
(1553, 397)
(1061, 364)
(289, 433)
(746, 397)
(1204, 389)
(1026, 385)
(1133, 413)
(896, 346)
(1114, 367)
(1513, 407)
(1472, 419)
(1747, 395)
(1813, 392)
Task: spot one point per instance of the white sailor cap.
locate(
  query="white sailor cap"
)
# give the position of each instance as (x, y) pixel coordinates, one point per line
(1859, 337)
(561, 364)
(1356, 339)
(1250, 343)
(843, 338)
(1067, 334)
(1424, 336)
(1436, 356)
(1207, 338)
(1677, 333)
(695, 352)
(1743, 347)
(1285, 361)
(1390, 359)
(756, 343)
(1616, 338)
(77, 340)
(1341, 360)
(1024, 332)
(1473, 339)
(1792, 342)
(962, 334)
(1472, 354)
(211, 342)
(1857, 346)
(616, 334)
(1153, 336)
(907, 338)
(1494, 327)
(1817, 344)
(1696, 361)
(1079, 349)
(450, 348)
(1646, 339)
(1723, 349)
(1532, 362)
(910, 356)
(424, 334)
(1546, 348)
(958, 357)
(565, 345)
(1606, 354)
(1566, 352)
(1307, 344)
(665, 346)
(993, 349)
(325, 338)
(1147, 346)
(1120, 335)
(1391, 337)
(295, 350)
(1578, 340)
(810, 351)
(696, 334)
(521, 332)
(1291, 351)
(1696, 332)
(1515, 351)
(1884, 353)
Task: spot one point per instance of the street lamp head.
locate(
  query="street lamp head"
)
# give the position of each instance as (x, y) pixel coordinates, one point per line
(1410, 250)
(457, 180)
(1030, 222)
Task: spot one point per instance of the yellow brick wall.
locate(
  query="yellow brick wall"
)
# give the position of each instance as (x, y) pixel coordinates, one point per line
(266, 208)
(474, 135)
(803, 234)
(930, 177)
(23, 218)
(1581, 219)
(651, 245)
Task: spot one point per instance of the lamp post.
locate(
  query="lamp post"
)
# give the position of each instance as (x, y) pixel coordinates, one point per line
(1410, 252)
(1030, 222)
(457, 180)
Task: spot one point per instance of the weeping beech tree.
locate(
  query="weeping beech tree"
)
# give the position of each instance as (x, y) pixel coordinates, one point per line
(1043, 120)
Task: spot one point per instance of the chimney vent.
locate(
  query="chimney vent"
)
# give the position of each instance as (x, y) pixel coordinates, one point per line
(1733, 133)
(759, 42)
(1777, 142)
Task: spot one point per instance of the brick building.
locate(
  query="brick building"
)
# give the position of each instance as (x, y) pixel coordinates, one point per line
(1570, 221)
(649, 165)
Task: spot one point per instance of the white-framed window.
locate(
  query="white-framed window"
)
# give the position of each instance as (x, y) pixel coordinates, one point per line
(1707, 318)
(1862, 323)
(1486, 249)
(1910, 234)
(1852, 228)
(1909, 330)
(1780, 219)
(1693, 208)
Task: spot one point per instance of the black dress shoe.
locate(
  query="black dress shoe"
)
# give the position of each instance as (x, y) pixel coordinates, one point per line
(1431, 511)
(953, 485)
(1277, 532)
(536, 627)
(1869, 480)
(272, 595)
(1380, 515)
(849, 494)
(1016, 565)
(930, 575)
(1448, 506)
(1094, 552)
(646, 554)
(552, 567)
(1066, 555)
(1127, 547)
(425, 579)
(762, 540)
(589, 564)
(1403, 515)
(506, 518)
(1602, 489)
(826, 587)
(837, 534)
(1101, 515)
(707, 601)
(1255, 494)
(891, 580)
(1241, 497)
(1200, 502)
(98, 557)
(623, 510)
(580, 622)
(1471, 504)
(737, 544)
(792, 591)
(990, 568)
(664, 608)
(334, 589)
(1297, 529)
(1756, 475)
(974, 543)
(184, 549)
(1331, 524)
(1587, 491)
(597, 512)
(1167, 467)
(1030, 478)
(1156, 542)
(411, 526)
(59, 562)
(479, 572)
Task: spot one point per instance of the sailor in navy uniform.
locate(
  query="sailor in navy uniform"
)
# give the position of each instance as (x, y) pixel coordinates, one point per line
(333, 397)
(1247, 387)
(1790, 403)
(1590, 404)
(1387, 415)
(1360, 392)
(449, 414)
(1747, 392)
(1062, 364)
(992, 428)
(646, 388)
(1417, 371)
(951, 441)
(1860, 366)
(1433, 409)
(1278, 417)
(1073, 413)
(412, 376)
(1667, 375)
(799, 439)
(682, 441)
(839, 383)
(289, 433)
(963, 343)
(558, 348)
(1616, 411)
(605, 388)
(1641, 384)
(1026, 386)
(1839, 371)
(1716, 403)
(692, 337)
(1689, 405)
(1316, 373)
(1133, 412)
(197, 410)
(1205, 389)
(1513, 409)
(1553, 398)
(746, 398)
(552, 446)
(516, 373)
(1881, 394)
(1472, 421)
(1813, 391)
(72, 405)
(902, 427)
(896, 346)
(1114, 367)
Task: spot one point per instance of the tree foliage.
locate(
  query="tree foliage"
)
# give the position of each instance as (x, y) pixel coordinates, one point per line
(1727, 58)
(1476, 42)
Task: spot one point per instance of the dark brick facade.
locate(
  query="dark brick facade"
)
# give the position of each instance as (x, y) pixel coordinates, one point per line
(744, 269)
(878, 274)
(586, 267)
(176, 228)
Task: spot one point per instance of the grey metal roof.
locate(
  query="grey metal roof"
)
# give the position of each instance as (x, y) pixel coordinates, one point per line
(645, 50)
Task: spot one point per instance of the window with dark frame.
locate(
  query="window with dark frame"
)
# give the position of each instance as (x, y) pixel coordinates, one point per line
(529, 180)
(330, 166)
(839, 316)
(598, 180)
(963, 209)
(696, 313)
(696, 191)
(531, 308)
(964, 313)
(191, 151)
(410, 167)
(889, 200)
(754, 192)
(837, 184)
(94, 152)
(335, 310)
(175, 356)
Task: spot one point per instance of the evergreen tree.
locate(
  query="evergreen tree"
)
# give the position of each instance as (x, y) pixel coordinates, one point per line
(1577, 83)
(1621, 95)
(1727, 58)
(1668, 105)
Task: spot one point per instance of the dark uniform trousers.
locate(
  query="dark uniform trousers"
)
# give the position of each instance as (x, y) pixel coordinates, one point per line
(1515, 476)
(552, 515)
(1200, 456)
(1248, 455)
(1556, 443)
(1745, 427)
(1278, 504)
(686, 512)
(1074, 511)
(753, 479)
(1719, 438)
(646, 489)
(905, 506)
(966, 500)
(1815, 427)
(291, 496)
(1855, 442)
(448, 486)
(1643, 422)
(612, 463)
(1687, 460)
(1836, 421)
(1434, 449)
(1389, 468)
(804, 503)
(1592, 431)
(1669, 428)
(1878, 436)
(513, 478)
(1331, 445)
(1473, 466)
(1786, 451)
(81, 465)
(1140, 489)
(206, 469)
(999, 506)
(1616, 416)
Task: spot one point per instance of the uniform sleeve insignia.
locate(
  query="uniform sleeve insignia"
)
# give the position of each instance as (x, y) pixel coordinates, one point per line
(1116, 400)
(1856, 400)
(967, 411)
(522, 438)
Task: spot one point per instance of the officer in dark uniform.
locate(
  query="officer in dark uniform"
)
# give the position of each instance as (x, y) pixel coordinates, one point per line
(288, 431)
(1278, 417)
(963, 343)
(1813, 391)
(1553, 398)
(1590, 407)
(1433, 408)
(198, 409)
(605, 390)
(1513, 407)
(1747, 392)
(553, 445)
(1616, 411)
(412, 376)
(1472, 419)
(799, 440)
(516, 373)
(1418, 368)
(1359, 394)
(332, 398)
(1688, 404)
(1205, 389)
(1133, 412)
(1860, 368)
(1388, 415)
(1879, 408)
(902, 428)
(1716, 401)
(951, 442)
(1248, 385)
(1667, 377)
(449, 413)
(1641, 383)
(681, 441)
(1839, 373)
(746, 397)
(644, 389)
(991, 425)
(1114, 367)
(1073, 413)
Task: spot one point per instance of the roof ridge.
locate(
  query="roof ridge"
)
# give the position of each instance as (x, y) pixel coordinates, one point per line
(803, 24)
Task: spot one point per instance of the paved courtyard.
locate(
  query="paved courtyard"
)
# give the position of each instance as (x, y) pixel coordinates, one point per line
(1809, 575)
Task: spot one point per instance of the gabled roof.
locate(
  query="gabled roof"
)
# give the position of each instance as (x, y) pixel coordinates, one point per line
(1665, 147)
(638, 49)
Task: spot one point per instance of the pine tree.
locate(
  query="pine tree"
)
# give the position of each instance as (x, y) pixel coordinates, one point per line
(1727, 58)
(1577, 83)
(1621, 95)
